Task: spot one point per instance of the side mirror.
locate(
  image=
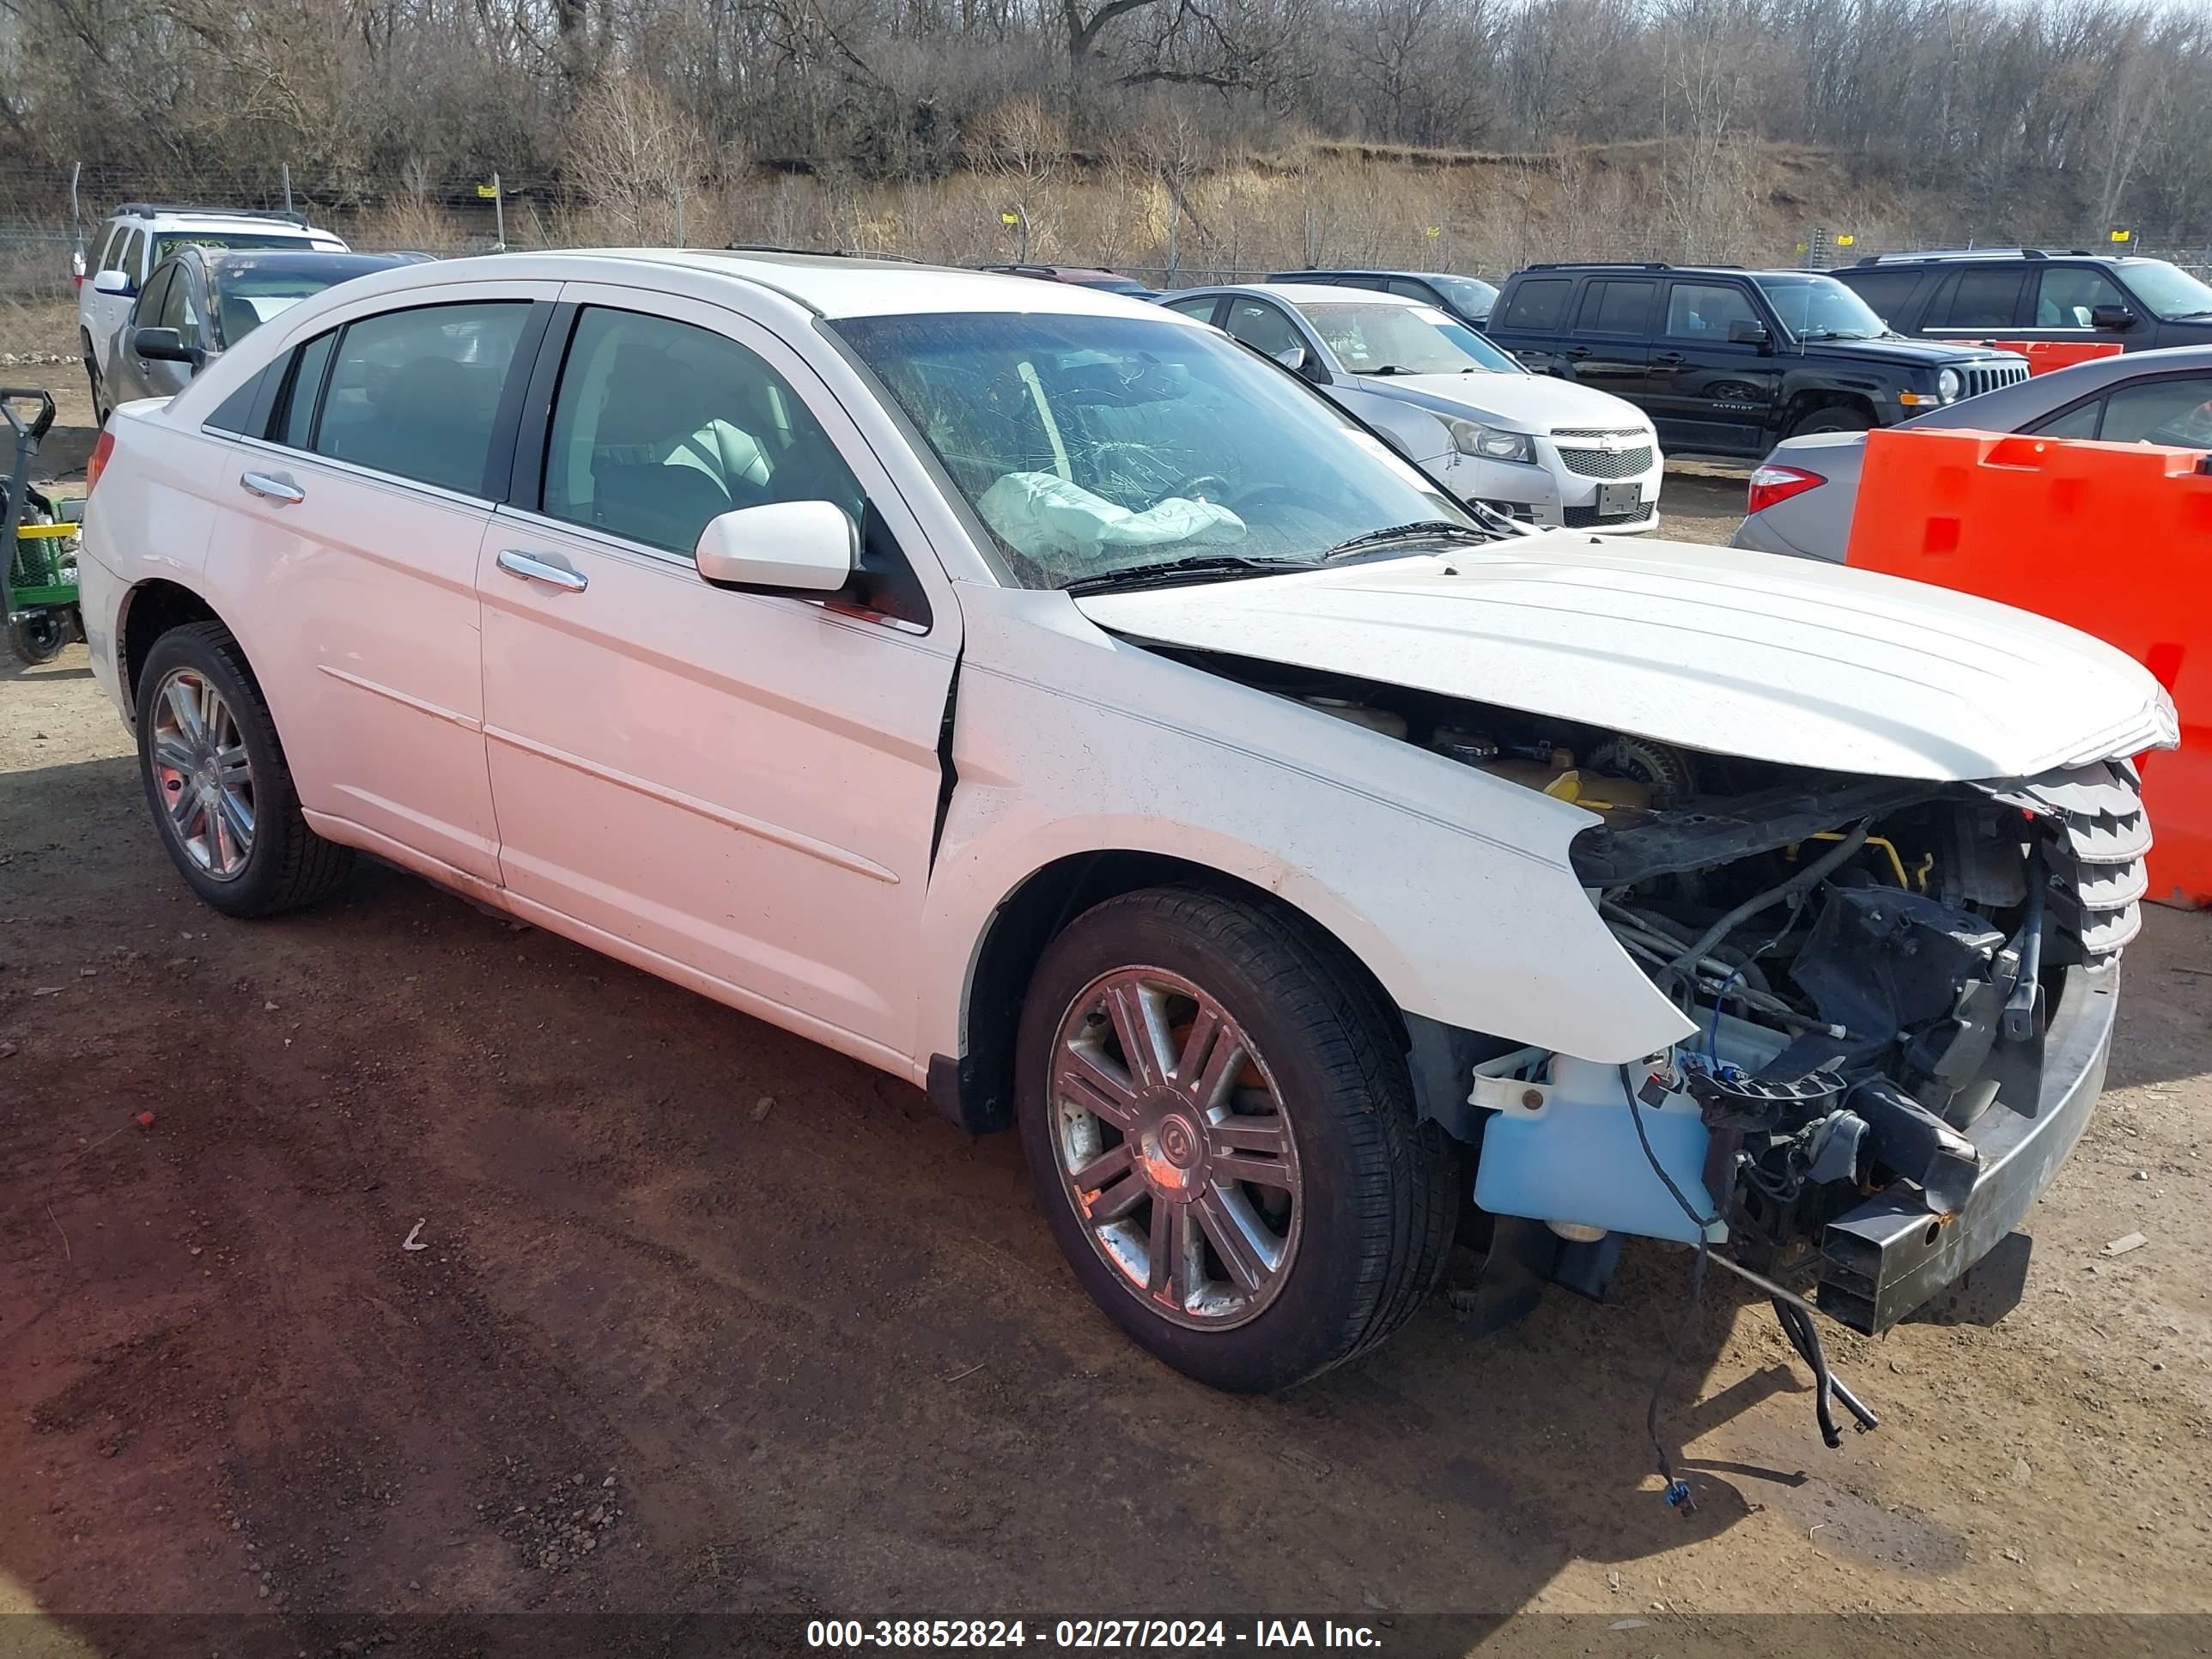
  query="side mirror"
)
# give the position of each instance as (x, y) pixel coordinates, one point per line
(1292, 356)
(797, 547)
(1746, 333)
(2111, 319)
(164, 345)
(114, 282)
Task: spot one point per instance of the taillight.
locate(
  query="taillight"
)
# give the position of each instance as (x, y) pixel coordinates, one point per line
(96, 461)
(1772, 484)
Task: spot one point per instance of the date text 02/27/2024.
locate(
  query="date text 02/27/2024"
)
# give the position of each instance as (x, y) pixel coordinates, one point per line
(1088, 1635)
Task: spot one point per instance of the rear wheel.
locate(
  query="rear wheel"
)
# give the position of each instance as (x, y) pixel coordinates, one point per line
(217, 780)
(1833, 419)
(1221, 1131)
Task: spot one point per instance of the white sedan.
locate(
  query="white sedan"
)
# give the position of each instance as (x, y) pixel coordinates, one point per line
(1035, 695)
(1540, 450)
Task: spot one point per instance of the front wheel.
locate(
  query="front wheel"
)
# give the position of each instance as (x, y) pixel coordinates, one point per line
(101, 408)
(1221, 1130)
(1832, 420)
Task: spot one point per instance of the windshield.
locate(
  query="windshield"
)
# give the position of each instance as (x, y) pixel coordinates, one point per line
(165, 245)
(1091, 445)
(2168, 290)
(1387, 339)
(1814, 307)
(1473, 297)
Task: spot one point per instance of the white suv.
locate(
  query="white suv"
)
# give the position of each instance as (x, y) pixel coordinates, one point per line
(1033, 693)
(137, 238)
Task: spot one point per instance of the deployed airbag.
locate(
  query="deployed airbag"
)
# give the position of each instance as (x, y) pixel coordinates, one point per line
(1045, 515)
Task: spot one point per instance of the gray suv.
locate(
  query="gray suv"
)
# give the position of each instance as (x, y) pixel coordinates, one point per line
(2036, 293)
(199, 302)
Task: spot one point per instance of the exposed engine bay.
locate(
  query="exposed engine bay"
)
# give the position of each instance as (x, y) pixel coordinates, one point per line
(1868, 962)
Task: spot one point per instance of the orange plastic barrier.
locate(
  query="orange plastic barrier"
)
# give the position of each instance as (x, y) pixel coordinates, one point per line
(2115, 539)
(2043, 356)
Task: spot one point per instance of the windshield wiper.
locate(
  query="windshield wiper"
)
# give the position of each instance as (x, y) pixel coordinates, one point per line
(1197, 568)
(1390, 368)
(1835, 334)
(1420, 529)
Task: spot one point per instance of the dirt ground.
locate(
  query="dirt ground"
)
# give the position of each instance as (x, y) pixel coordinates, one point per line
(707, 1320)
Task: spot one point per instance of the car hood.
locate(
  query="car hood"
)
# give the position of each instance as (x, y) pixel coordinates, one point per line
(1924, 354)
(1519, 403)
(1733, 653)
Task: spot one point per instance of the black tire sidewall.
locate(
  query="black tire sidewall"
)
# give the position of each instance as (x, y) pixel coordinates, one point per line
(27, 648)
(1832, 419)
(257, 889)
(1316, 1317)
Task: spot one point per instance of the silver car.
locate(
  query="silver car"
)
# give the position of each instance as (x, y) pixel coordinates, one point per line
(200, 301)
(1542, 451)
(1803, 495)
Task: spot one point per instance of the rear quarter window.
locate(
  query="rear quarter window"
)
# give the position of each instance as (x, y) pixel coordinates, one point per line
(1540, 304)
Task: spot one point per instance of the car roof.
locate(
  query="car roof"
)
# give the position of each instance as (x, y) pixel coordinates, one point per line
(827, 285)
(1304, 294)
(1070, 273)
(306, 260)
(166, 222)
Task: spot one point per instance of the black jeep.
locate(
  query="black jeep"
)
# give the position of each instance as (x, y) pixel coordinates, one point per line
(1728, 361)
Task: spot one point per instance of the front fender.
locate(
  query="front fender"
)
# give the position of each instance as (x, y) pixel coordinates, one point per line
(1453, 887)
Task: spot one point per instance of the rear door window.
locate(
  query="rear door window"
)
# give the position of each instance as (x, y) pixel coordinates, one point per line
(1541, 304)
(111, 258)
(1977, 299)
(133, 255)
(1616, 307)
(1202, 307)
(416, 394)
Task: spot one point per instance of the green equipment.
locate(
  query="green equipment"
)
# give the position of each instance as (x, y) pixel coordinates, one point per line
(38, 581)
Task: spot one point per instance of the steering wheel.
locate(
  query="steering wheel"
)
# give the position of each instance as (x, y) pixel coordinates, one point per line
(1211, 485)
(1288, 495)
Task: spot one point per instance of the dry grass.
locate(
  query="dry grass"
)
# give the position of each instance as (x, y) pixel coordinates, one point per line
(38, 329)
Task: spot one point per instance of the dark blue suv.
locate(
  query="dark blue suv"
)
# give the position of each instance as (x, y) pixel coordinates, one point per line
(2035, 294)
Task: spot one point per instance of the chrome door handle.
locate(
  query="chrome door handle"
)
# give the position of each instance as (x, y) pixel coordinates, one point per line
(272, 487)
(529, 568)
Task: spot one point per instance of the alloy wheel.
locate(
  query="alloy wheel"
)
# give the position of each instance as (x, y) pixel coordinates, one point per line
(1173, 1145)
(205, 774)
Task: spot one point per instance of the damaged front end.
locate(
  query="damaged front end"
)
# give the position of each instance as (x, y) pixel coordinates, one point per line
(1904, 997)
(1902, 991)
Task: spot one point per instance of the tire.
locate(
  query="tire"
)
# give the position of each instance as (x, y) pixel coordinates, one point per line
(277, 863)
(101, 410)
(1834, 418)
(38, 637)
(1356, 1221)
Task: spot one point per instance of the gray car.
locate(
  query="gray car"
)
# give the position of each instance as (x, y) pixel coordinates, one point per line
(200, 301)
(1803, 495)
